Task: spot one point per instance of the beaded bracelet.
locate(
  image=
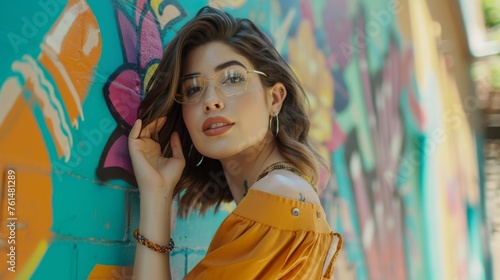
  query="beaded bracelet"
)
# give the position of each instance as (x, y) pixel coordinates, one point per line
(153, 246)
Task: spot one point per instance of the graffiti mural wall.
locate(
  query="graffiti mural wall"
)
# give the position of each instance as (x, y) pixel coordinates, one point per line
(404, 190)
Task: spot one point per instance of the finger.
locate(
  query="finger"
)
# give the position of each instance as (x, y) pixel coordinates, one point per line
(175, 143)
(136, 129)
(153, 126)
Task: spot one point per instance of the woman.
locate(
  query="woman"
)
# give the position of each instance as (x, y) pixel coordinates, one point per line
(224, 120)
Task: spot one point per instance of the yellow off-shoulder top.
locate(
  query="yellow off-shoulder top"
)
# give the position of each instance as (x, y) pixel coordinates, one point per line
(271, 237)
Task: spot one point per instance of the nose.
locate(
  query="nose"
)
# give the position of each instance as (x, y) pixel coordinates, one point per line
(211, 100)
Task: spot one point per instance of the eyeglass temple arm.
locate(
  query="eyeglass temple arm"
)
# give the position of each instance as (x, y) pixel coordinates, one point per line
(257, 72)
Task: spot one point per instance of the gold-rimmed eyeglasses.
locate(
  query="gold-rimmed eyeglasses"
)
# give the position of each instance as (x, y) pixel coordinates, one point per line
(230, 82)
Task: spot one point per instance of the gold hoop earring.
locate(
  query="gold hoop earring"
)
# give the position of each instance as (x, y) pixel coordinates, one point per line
(201, 160)
(190, 149)
(202, 156)
(277, 124)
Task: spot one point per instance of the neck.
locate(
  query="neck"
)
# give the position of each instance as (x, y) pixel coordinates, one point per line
(242, 170)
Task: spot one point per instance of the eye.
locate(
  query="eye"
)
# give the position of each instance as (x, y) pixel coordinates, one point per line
(193, 90)
(234, 78)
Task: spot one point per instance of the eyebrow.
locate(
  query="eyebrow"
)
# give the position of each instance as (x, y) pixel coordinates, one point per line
(220, 67)
(227, 64)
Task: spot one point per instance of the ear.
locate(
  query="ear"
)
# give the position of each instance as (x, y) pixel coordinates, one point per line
(277, 96)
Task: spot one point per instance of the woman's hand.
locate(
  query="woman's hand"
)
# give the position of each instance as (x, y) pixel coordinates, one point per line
(157, 177)
(155, 174)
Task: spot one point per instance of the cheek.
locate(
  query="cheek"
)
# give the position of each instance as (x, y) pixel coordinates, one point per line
(254, 88)
(188, 116)
(255, 115)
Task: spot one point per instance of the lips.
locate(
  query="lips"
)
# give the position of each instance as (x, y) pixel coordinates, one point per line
(216, 125)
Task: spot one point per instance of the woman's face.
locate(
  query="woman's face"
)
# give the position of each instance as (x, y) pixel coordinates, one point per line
(223, 126)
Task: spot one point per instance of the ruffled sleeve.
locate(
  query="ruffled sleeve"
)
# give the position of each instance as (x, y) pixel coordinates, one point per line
(269, 237)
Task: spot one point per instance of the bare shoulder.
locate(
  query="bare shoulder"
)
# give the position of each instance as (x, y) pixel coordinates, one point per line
(287, 184)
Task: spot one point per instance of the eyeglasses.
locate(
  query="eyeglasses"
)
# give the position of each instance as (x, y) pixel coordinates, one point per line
(230, 82)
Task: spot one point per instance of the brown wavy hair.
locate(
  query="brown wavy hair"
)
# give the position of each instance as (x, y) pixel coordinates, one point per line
(202, 187)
